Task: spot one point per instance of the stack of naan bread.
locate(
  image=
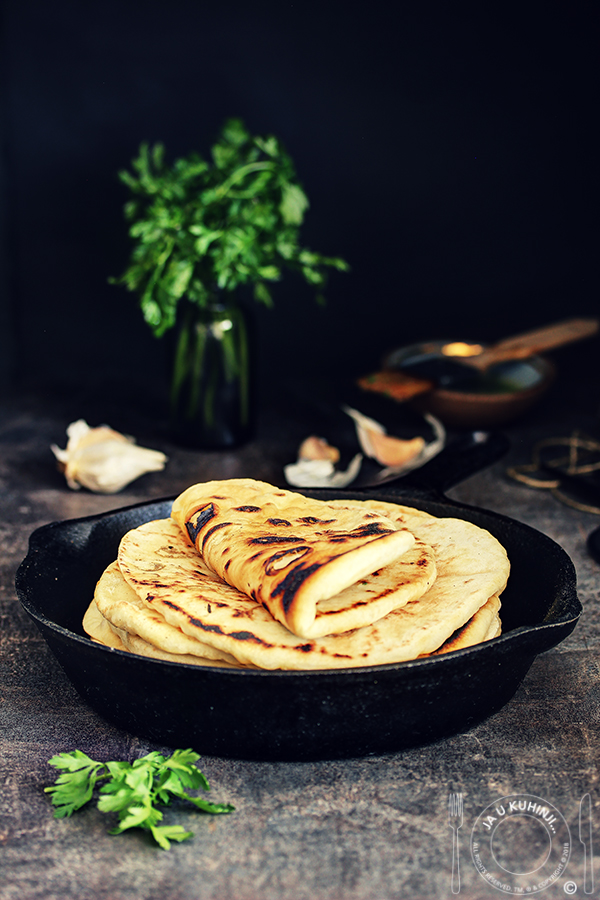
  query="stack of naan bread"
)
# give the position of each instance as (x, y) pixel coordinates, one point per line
(244, 574)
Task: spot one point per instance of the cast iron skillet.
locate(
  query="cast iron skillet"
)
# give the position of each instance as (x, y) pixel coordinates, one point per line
(302, 715)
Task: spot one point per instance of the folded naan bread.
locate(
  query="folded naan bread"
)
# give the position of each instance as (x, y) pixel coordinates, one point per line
(286, 551)
(142, 552)
(177, 587)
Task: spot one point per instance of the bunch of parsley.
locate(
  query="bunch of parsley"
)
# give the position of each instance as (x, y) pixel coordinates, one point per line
(201, 227)
(132, 790)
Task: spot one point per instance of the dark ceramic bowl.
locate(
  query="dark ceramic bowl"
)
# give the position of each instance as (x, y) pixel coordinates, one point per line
(506, 392)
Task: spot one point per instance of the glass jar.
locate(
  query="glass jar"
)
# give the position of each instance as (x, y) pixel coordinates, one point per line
(210, 388)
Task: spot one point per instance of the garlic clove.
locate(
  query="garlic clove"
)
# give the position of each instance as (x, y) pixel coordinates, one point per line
(376, 443)
(103, 460)
(395, 454)
(317, 448)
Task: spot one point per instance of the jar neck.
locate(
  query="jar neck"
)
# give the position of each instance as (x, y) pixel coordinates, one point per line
(217, 301)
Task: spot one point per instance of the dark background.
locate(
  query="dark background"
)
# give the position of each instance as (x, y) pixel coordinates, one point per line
(449, 152)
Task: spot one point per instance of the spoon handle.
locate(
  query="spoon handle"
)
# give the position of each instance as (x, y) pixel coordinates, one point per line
(528, 344)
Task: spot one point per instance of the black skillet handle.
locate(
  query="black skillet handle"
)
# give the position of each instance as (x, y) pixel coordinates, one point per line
(461, 457)
(593, 544)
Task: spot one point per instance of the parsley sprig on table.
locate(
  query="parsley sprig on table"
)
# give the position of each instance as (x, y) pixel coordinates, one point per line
(132, 790)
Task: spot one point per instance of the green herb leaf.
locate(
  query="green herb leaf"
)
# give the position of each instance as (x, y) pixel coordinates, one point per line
(262, 294)
(271, 273)
(132, 790)
(75, 787)
(162, 834)
(199, 225)
(294, 203)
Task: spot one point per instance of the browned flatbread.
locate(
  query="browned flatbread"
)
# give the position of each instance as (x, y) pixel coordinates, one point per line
(131, 619)
(142, 552)
(171, 580)
(99, 628)
(483, 626)
(286, 551)
(104, 632)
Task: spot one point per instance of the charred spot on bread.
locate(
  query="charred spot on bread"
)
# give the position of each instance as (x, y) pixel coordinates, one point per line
(289, 586)
(275, 539)
(284, 558)
(371, 529)
(203, 516)
(312, 520)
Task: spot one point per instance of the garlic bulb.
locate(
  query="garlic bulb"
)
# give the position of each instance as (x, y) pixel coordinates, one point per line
(103, 460)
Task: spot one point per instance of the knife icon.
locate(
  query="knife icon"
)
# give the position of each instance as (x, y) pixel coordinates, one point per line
(585, 836)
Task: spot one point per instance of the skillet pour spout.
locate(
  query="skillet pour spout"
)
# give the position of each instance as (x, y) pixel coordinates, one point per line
(290, 715)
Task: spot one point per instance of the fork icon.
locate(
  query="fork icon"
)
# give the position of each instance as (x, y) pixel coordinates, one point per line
(455, 820)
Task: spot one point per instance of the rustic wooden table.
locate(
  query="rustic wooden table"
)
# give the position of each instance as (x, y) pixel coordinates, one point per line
(344, 830)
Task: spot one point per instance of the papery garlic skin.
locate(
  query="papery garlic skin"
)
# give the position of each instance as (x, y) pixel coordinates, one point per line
(103, 460)
(321, 473)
